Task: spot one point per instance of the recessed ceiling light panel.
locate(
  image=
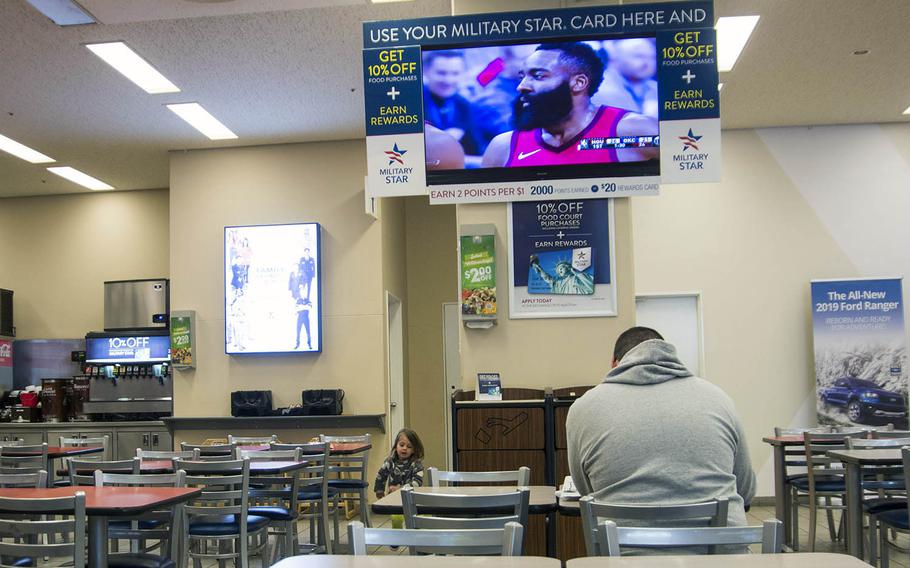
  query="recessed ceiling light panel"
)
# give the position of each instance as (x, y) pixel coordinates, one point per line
(80, 178)
(63, 12)
(201, 120)
(10, 146)
(732, 35)
(119, 56)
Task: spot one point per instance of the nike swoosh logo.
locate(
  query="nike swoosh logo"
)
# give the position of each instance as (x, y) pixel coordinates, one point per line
(522, 155)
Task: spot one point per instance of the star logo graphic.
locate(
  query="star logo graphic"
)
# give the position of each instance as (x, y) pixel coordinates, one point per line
(690, 140)
(395, 154)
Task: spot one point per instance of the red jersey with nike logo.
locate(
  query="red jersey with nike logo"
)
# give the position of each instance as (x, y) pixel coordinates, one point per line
(529, 149)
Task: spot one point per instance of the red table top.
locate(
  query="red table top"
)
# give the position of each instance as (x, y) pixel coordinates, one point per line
(339, 448)
(112, 501)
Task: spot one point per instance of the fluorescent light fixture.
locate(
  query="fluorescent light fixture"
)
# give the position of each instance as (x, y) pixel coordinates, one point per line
(10, 146)
(80, 178)
(201, 120)
(907, 111)
(63, 12)
(719, 87)
(119, 56)
(732, 35)
(387, 1)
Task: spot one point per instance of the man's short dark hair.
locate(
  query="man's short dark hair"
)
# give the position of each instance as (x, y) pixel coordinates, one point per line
(581, 58)
(632, 337)
(431, 56)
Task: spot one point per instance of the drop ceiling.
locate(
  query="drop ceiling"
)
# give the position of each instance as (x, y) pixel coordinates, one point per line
(280, 71)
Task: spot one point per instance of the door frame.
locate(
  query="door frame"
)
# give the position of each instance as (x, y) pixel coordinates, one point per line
(394, 327)
(699, 315)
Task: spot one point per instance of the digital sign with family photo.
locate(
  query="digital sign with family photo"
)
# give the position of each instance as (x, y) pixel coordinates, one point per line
(272, 295)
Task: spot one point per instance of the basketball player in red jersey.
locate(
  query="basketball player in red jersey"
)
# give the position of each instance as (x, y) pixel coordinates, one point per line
(553, 112)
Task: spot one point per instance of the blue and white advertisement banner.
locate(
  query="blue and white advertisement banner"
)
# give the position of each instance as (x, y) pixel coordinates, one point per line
(580, 103)
(128, 349)
(860, 351)
(561, 261)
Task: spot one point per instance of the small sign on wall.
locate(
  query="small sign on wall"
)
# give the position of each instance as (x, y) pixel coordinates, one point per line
(183, 339)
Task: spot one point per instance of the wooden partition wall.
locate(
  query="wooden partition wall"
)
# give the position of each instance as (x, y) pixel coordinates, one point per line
(526, 428)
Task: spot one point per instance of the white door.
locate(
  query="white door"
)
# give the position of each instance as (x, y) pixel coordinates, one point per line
(452, 365)
(677, 317)
(395, 358)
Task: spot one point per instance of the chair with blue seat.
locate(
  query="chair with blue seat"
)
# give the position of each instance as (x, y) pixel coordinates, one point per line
(158, 526)
(825, 481)
(314, 491)
(794, 469)
(36, 537)
(220, 516)
(350, 479)
(897, 520)
(710, 513)
(612, 537)
(275, 498)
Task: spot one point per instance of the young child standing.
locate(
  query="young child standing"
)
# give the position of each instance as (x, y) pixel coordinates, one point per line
(403, 466)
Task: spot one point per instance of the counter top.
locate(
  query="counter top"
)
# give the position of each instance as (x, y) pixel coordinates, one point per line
(78, 425)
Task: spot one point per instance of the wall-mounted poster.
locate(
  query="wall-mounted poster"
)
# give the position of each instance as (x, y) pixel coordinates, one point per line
(272, 294)
(860, 352)
(561, 263)
(478, 276)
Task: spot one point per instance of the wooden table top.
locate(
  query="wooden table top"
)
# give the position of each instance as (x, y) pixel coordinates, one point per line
(54, 452)
(886, 456)
(790, 560)
(406, 561)
(784, 440)
(542, 498)
(112, 501)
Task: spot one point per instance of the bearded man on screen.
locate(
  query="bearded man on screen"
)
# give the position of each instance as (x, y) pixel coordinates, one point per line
(553, 112)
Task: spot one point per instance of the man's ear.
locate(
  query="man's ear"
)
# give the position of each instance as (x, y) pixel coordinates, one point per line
(615, 363)
(578, 84)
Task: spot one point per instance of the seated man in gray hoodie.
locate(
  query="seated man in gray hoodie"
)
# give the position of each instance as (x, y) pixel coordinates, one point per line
(653, 433)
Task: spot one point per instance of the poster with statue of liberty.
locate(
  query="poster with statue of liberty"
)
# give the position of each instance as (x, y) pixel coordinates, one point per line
(561, 259)
(860, 352)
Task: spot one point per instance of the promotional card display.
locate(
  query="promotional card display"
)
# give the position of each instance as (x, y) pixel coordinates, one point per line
(579, 103)
(183, 335)
(561, 262)
(860, 352)
(478, 276)
(272, 292)
(489, 386)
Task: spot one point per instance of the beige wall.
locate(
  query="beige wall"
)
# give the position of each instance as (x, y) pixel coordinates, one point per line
(320, 182)
(59, 250)
(546, 352)
(432, 280)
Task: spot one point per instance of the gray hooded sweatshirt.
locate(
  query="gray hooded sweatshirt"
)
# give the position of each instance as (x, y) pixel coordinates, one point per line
(654, 433)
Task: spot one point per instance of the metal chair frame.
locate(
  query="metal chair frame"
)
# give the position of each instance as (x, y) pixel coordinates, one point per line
(611, 537)
(507, 540)
(145, 455)
(212, 450)
(34, 530)
(36, 479)
(883, 543)
(277, 488)
(521, 477)
(315, 474)
(130, 466)
(356, 466)
(25, 464)
(713, 513)
(252, 440)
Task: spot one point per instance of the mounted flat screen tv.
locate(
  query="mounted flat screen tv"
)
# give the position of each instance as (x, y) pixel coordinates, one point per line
(272, 291)
(536, 111)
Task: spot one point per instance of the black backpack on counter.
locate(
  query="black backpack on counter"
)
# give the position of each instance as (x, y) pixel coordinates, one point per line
(322, 402)
(251, 403)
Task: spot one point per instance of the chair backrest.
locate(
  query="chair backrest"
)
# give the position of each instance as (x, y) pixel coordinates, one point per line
(864, 444)
(72, 529)
(354, 465)
(18, 442)
(211, 450)
(103, 441)
(779, 431)
(521, 477)
(710, 513)
(612, 538)
(317, 455)
(818, 463)
(506, 540)
(35, 479)
(486, 510)
(270, 454)
(225, 488)
(82, 472)
(882, 434)
(176, 479)
(166, 455)
(24, 459)
(252, 440)
(854, 429)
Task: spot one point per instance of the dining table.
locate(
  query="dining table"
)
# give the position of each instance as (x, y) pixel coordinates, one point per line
(541, 501)
(103, 503)
(854, 461)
